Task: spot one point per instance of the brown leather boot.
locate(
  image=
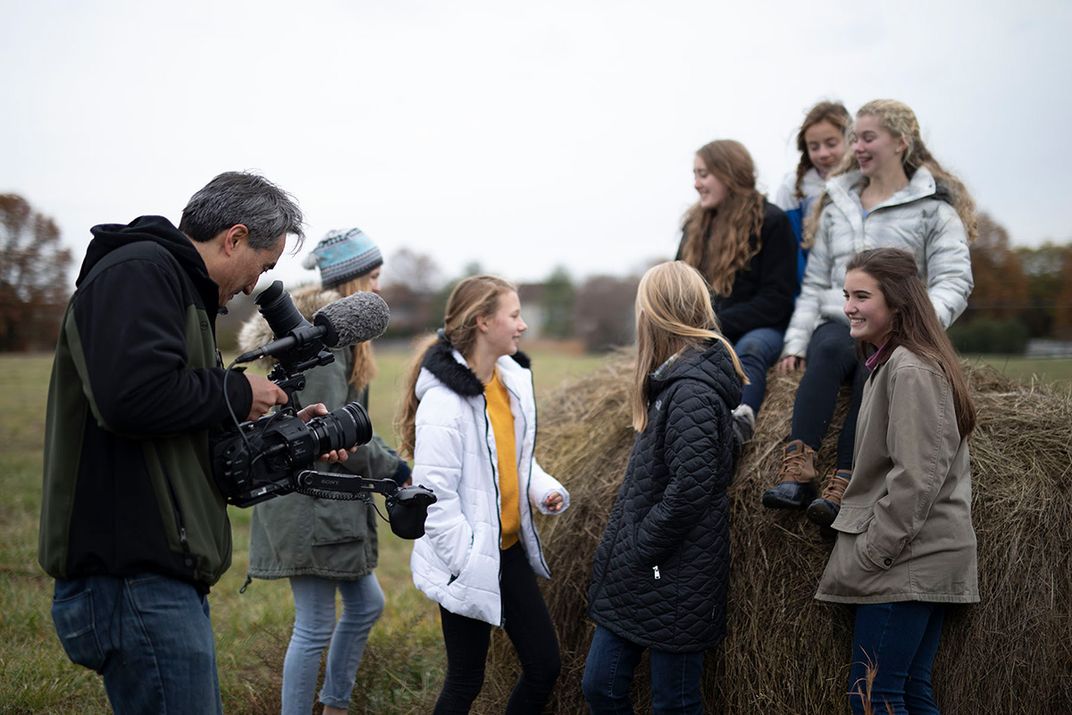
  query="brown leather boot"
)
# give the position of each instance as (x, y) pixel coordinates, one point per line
(825, 509)
(795, 488)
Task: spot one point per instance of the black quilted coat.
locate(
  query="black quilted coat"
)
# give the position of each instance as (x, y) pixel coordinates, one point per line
(661, 572)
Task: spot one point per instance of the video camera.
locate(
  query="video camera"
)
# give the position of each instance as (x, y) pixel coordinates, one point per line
(272, 456)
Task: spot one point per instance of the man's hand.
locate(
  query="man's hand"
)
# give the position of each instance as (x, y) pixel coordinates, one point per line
(316, 410)
(266, 395)
(790, 363)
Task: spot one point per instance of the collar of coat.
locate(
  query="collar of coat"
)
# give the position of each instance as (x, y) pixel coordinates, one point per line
(845, 192)
(440, 361)
(709, 362)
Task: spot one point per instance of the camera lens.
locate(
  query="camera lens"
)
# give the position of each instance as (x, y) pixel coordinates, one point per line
(349, 426)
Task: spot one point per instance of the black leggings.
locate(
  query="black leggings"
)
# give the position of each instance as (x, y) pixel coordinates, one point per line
(529, 628)
(832, 361)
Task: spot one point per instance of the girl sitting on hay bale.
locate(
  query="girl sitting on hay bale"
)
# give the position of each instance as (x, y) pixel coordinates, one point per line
(661, 571)
(469, 420)
(744, 247)
(889, 192)
(905, 544)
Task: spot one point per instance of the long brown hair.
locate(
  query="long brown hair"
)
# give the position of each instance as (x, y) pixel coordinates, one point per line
(364, 369)
(673, 311)
(913, 322)
(899, 120)
(717, 242)
(832, 112)
(475, 297)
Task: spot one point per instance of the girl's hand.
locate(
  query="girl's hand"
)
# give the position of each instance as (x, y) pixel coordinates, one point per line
(790, 363)
(553, 502)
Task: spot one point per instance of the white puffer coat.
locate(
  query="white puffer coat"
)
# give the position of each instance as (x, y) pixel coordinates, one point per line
(914, 219)
(456, 562)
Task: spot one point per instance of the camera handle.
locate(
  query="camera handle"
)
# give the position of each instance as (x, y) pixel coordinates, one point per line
(293, 381)
(407, 507)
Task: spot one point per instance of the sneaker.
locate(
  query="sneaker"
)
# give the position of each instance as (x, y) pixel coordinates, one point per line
(825, 509)
(796, 477)
(744, 425)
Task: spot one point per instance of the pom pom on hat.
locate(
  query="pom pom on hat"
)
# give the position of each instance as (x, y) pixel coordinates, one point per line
(342, 256)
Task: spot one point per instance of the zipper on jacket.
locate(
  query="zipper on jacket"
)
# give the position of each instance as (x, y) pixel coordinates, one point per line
(498, 504)
(656, 570)
(532, 458)
(188, 558)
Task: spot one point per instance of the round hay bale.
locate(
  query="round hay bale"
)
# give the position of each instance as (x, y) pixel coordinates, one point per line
(786, 652)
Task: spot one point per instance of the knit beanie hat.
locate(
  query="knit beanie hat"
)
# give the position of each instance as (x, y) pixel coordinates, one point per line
(342, 256)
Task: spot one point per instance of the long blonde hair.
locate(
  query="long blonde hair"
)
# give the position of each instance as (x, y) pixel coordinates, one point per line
(899, 120)
(475, 297)
(364, 369)
(717, 242)
(673, 311)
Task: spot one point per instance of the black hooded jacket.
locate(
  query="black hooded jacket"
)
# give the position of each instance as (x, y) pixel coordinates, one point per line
(136, 388)
(661, 572)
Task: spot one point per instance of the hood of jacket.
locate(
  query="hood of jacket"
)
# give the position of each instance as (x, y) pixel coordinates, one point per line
(448, 367)
(108, 237)
(256, 332)
(844, 190)
(709, 363)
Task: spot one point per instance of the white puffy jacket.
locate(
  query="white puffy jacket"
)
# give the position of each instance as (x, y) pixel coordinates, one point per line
(456, 562)
(913, 219)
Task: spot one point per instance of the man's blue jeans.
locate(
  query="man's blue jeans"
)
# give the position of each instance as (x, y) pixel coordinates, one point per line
(900, 641)
(608, 676)
(149, 636)
(758, 350)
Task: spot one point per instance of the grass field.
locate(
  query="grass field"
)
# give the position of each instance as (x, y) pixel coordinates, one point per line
(403, 666)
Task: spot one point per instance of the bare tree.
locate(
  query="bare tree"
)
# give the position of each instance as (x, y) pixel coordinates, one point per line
(33, 276)
(417, 271)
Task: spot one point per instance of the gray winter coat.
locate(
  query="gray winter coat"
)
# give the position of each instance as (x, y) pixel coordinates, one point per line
(298, 535)
(914, 219)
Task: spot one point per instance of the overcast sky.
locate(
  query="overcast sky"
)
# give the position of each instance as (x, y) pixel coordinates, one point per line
(519, 135)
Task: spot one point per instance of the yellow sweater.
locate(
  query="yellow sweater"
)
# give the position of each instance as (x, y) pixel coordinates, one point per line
(502, 423)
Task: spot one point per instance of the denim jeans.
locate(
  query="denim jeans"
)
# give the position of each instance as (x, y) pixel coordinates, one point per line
(832, 361)
(315, 628)
(608, 676)
(150, 636)
(758, 350)
(900, 640)
(529, 628)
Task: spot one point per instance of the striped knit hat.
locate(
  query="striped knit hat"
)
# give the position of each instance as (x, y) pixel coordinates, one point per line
(342, 256)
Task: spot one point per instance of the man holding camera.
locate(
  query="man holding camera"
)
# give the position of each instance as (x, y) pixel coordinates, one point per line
(133, 528)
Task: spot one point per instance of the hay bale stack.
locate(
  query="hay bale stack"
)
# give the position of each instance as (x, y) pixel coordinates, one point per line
(786, 652)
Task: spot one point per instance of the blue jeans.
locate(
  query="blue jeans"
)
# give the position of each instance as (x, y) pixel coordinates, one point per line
(900, 640)
(315, 627)
(150, 636)
(758, 350)
(608, 676)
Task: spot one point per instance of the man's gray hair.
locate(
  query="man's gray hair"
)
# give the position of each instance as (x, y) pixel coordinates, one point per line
(238, 197)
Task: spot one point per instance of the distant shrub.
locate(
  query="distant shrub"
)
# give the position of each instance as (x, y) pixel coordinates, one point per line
(985, 335)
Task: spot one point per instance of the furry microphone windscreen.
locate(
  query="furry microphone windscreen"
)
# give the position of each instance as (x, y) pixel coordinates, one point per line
(354, 319)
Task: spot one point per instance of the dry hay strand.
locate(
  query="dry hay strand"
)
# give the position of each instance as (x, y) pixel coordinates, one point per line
(786, 652)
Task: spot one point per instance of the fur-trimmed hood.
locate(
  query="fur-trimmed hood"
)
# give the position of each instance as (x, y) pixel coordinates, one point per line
(255, 331)
(448, 367)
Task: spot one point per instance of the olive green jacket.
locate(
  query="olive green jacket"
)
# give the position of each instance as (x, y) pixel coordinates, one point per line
(298, 535)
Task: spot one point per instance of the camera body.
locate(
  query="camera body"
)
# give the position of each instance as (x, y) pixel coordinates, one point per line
(272, 456)
(263, 459)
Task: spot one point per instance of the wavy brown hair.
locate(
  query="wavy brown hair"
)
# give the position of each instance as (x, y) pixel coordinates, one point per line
(718, 242)
(475, 297)
(914, 323)
(364, 361)
(899, 120)
(673, 311)
(833, 112)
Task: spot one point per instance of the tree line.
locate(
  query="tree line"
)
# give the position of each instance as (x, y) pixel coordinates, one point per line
(1020, 293)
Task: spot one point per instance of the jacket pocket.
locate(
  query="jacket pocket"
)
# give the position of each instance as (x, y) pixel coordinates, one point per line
(854, 519)
(338, 522)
